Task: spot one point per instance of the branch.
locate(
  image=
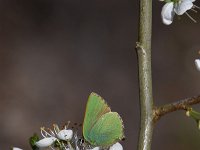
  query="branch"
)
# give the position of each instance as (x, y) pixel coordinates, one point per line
(179, 105)
(145, 79)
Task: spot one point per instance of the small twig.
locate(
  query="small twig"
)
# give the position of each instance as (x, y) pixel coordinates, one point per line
(179, 105)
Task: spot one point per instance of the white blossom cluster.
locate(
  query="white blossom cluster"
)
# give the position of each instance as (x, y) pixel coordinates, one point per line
(178, 7)
(64, 139)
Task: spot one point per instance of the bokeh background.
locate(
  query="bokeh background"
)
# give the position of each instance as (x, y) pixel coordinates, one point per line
(54, 53)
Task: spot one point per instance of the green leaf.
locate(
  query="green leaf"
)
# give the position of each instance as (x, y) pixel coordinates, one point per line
(33, 140)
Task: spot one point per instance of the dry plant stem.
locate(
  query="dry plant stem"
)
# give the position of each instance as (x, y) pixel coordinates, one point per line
(179, 105)
(145, 79)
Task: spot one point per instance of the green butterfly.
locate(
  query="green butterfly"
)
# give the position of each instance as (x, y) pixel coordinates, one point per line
(101, 127)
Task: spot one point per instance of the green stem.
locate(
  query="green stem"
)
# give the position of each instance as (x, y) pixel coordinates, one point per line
(145, 79)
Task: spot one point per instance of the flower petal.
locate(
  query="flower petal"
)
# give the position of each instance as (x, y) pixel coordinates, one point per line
(168, 13)
(45, 142)
(182, 6)
(96, 148)
(16, 148)
(116, 146)
(65, 134)
(197, 63)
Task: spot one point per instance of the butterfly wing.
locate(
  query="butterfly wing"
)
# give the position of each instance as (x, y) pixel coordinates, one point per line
(96, 107)
(107, 130)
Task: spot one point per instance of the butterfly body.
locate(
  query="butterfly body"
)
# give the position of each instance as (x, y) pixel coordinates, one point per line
(101, 127)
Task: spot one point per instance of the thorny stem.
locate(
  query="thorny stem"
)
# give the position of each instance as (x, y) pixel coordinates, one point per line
(178, 105)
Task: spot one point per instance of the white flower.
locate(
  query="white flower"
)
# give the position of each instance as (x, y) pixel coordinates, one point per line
(116, 146)
(16, 148)
(45, 142)
(96, 148)
(65, 134)
(197, 63)
(167, 13)
(178, 7)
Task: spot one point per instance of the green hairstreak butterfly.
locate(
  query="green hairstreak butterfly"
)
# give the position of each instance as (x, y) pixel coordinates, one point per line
(101, 127)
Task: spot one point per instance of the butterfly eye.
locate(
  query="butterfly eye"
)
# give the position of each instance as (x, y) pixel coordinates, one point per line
(123, 139)
(81, 141)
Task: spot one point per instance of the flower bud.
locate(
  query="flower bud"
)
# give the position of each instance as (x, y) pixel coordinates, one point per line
(188, 113)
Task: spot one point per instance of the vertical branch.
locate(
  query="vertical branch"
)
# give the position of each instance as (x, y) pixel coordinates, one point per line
(145, 79)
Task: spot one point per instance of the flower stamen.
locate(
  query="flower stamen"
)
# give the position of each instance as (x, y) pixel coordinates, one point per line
(56, 128)
(195, 6)
(43, 131)
(67, 125)
(194, 10)
(51, 147)
(52, 133)
(191, 17)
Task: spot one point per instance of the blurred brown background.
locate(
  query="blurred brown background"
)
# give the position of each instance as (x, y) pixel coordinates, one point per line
(53, 53)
